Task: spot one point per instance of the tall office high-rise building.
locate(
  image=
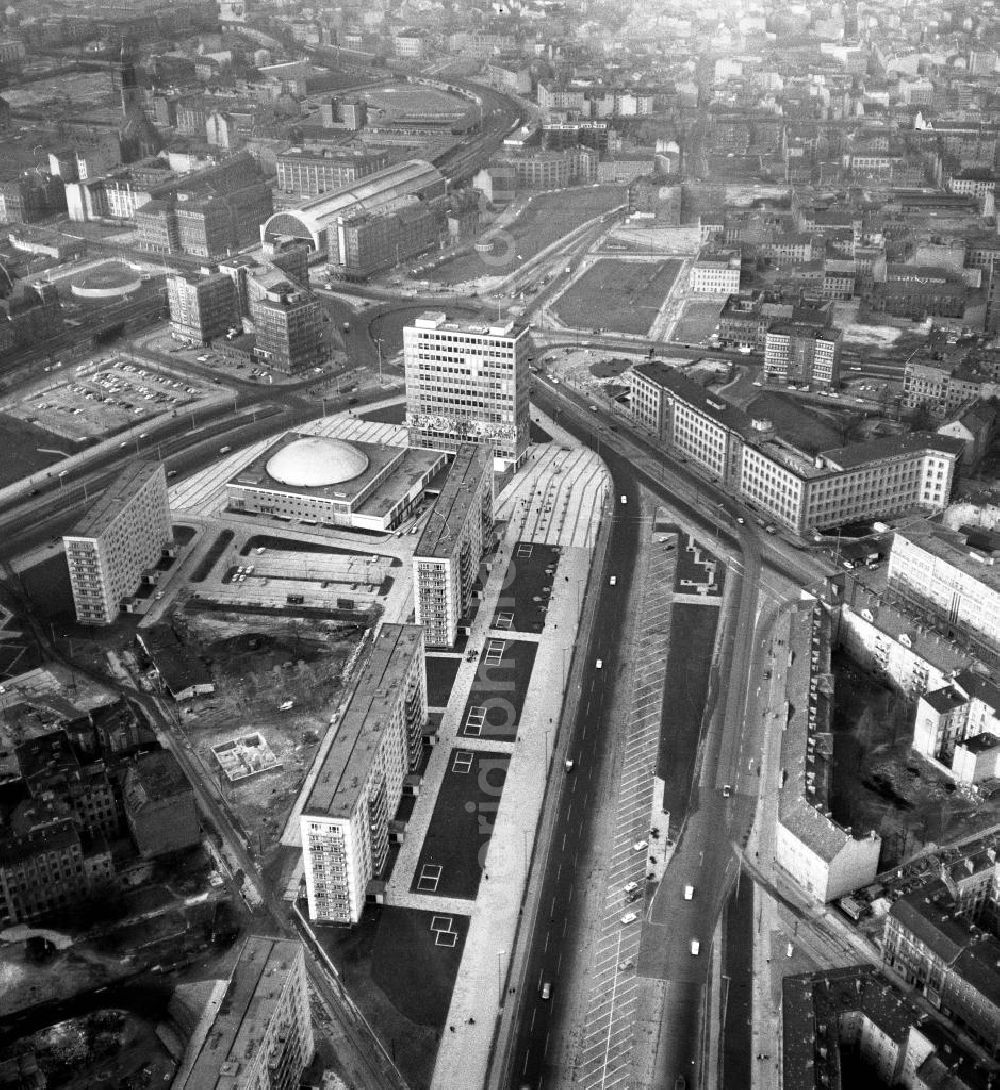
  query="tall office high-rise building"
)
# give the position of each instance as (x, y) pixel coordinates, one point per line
(468, 382)
(345, 821)
(202, 307)
(451, 545)
(287, 322)
(802, 352)
(121, 537)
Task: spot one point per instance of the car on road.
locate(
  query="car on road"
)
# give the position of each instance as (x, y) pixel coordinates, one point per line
(599, 664)
(741, 520)
(770, 528)
(593, 408)
(629, 917)
(546, 990)
(570, 765)
(689, 893)
(695, 947)
(727, 790)
(613, 580)
(225, 450)
(640, 845)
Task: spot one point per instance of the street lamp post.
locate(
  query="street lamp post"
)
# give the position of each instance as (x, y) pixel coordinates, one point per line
(500, 955)
(378, 345)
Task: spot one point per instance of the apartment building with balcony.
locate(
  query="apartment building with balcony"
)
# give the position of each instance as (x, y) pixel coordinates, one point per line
(120, 538)
(258, 1033)
(468, 382)
(356, 793)
(451, 545)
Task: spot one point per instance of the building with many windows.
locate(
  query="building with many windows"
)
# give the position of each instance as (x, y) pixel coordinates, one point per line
(944, 386)
(451, 545)
(802, 492)
(823, 857)
(940, 950)
(287, 322)
(743, 323)
(258, 1033)
(716, 272)
(376, 745)
(958, 726)
(117, 541)
(308, 173)
(468, 382)
(202, 307)
(936, 569)
(801, 352)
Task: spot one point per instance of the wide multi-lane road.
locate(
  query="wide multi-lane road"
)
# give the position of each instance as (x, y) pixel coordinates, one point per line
(726, 784)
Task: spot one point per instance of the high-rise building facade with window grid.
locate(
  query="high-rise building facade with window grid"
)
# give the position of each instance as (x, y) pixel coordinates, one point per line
(121, 537)
(467, 382)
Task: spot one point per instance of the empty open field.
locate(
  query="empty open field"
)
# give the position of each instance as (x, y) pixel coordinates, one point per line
(547, 218)
(621, 296)
(697, 321)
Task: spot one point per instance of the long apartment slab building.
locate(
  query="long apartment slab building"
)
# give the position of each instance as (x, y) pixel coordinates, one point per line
(117, 541)
(451, 545)
(467, 381)
(357, 790)
(937, 569)
(800, 491)
(257, 1032)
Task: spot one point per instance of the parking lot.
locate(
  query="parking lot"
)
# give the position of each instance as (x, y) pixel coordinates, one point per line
(102, 396)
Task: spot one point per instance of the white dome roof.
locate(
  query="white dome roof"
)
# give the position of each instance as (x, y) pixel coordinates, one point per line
(317, 461)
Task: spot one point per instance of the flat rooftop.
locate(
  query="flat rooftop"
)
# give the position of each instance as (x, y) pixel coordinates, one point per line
(254, 991)
(372, 704)
(952, 548)
(116, 496)
(444, 526)
(439, 320)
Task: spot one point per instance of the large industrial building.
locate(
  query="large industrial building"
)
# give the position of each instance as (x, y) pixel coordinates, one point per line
(467, 381)
(319, 480)
(117, 541)
(357, 790)
(316, 222)
(801, 491)
(455, 536)
(258, 1033)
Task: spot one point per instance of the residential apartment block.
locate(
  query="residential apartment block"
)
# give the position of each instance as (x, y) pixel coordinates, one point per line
(468, 382)
(159, 805)
(202, 307)
(955, 964)
(958, 726)
(802, 353)
(451, 545)
(937, 570)
(801, 491)
(716, 272)
(944, 386)
(345, 820)
(261, 1036)
(824, 858)
(121, 537)
(854, 1011)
